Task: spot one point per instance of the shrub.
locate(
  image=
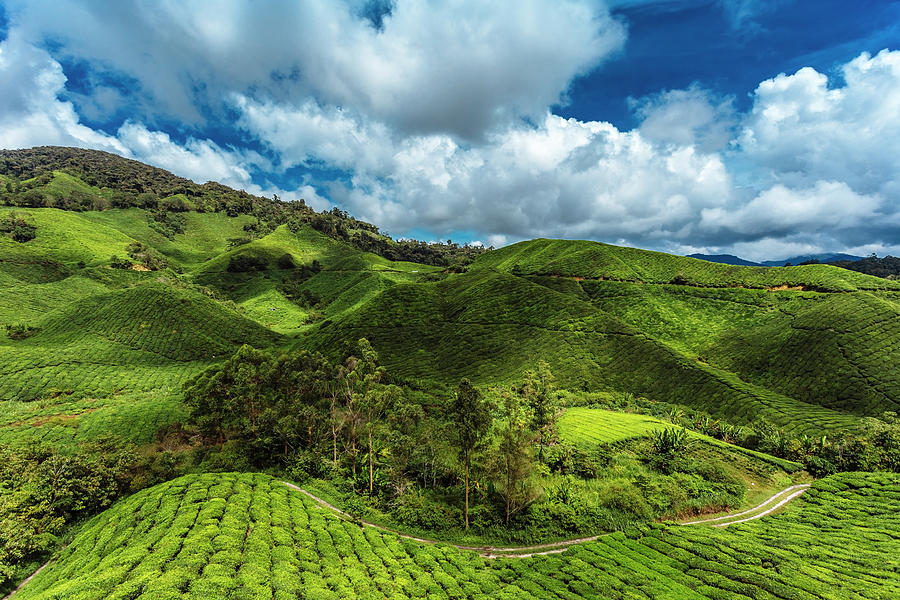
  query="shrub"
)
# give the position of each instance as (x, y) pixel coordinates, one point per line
(119, 263)
(18, 226)
(20, 332)
(245, 263)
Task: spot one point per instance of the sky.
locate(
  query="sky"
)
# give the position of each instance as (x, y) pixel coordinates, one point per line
(765, 129)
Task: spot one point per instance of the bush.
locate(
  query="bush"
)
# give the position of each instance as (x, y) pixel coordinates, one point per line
(119, 263)
(415, 509)
(625, 498)
(18, 226)
(245, 263)
(286, 261)
(20, 332)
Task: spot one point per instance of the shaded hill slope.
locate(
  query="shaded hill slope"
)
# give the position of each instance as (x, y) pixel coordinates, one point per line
(143, 337)
(492, 326)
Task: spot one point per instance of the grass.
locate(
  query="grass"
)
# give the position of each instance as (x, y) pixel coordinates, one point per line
(588, 427)
(64, 237)
(205, 235)
(249, 536)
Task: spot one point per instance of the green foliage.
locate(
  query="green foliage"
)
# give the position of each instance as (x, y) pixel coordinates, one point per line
(470, 415)
(886, 266)
(231, 535)
(18, 226)
(20, 332)
(119, 263)
(514, 462)
(44, 490)
(670, 440)
(146, 256)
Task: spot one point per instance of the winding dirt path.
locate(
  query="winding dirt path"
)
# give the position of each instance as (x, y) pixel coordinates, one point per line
(29, 578)
(771, 504)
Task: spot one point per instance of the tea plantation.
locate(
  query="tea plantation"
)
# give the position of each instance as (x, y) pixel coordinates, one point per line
(157, 334)
(250, 536)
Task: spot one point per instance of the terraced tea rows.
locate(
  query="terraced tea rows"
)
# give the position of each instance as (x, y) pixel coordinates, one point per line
(595, 260)
(148, 337)
(249, 536)
(856, 343)
(581, 425)
(65, 423)
(505, 324)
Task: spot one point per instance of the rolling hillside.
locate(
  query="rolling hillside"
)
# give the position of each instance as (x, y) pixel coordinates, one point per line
(594, 260)
(128, 281)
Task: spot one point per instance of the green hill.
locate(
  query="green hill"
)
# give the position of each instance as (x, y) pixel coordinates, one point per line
(119, 282)
(149, 336)
(492, 326)
(839, 350)
(595, 260)
(250, 536)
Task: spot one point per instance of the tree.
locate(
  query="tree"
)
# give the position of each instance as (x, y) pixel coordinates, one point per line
(514, 461)
(373, 406)
(470, 414)
(544, 404)
(357, 378)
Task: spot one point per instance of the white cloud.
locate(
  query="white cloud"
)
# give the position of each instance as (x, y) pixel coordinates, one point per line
(455, 67)
(691, 117)
(563, 177)
(828, 205)
(800, 131)
(30, 113)
(440, 121)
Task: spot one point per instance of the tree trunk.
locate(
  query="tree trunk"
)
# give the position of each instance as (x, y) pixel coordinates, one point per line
(467, 495)
(353, 453)
(371, 464)
(334, 431)
(508, 490)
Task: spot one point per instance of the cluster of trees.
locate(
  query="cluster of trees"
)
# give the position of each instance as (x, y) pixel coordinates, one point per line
(305, 414)
(43, 490)
(19, 226)
(887, 266)
(125, 183)
(875, 447)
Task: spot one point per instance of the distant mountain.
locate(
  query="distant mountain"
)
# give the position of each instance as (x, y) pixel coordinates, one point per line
(730, 259)
(825, 257)
(727, 259)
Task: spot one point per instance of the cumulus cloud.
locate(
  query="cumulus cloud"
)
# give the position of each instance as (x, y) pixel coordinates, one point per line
(690, 117)
(454, 67)
(780, 210)
(801, 130)
(30, 113)
(562, 177)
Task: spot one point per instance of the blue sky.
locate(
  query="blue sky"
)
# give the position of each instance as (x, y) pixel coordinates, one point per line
(766, 129)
